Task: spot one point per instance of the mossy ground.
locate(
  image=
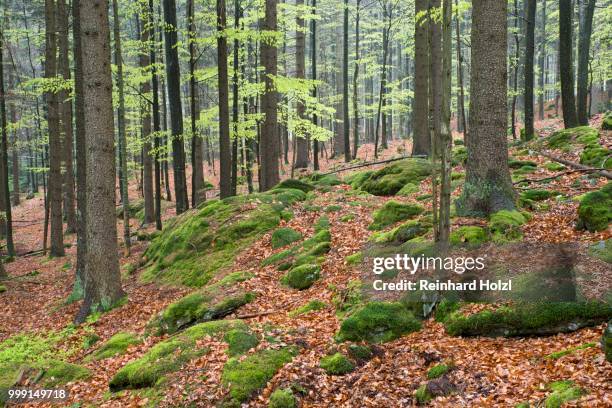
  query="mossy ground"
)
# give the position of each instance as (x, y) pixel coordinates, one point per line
(169, 355)
(302, 276)
(562, 392)
(595, 210)
(393, 212)
(337, 364)
(471, 235)
(505, 226)
(438, 371)
(116, 345)
(311, 306)
(392, 178)
(282, 398)
(529, 319)
(284, 236)
(378, 322)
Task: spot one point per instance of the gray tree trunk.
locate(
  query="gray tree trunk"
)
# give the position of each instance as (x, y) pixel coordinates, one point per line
(566, 64)
(541, 61)
(301, 156)
(528, 65)
(584, 46)
(198, 195)
(144, 60)
(420, 106)
(225, 159)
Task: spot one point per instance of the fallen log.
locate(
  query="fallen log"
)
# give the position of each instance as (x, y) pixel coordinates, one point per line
(601, 172)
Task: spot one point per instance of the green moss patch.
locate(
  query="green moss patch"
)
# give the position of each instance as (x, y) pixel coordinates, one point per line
(402, 233)
(472, 235)
(517, 164)
(529, 319)
(606, 341)
(595, 210)
(337, 364)
(378, 322)
(302, 276)
(284, 236)
(563, 138)
(282, 398)
(596, 156)
(3, 288)
(606, 124)
(438, 371)
(392, 178)
(393, 212)
(247, 376)
(554, 166)
(558, 354)
(602, 250)
(408, 190)
(169, 355)
(239, 341)
(505, 226)
(355, 259)
(422, 395)
(356, 179)
(562, 392)
(194, 246)
(116, 345)
(537, 194)
(295, 184)
(311, 306)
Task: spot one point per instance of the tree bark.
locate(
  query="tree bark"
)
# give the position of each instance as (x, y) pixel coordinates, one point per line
(338, 147)
(6, 203)
(313, 68)
(345, 88)
(144, 60)
(173, 80)
(102, 281)
(488, 186)
(224, 120)
(566, 64)
(301, 154)
(584, 46)
(541, 61)
(156, 118)
(420, 106)
(269, 149)
(445, 129)
(55, 143)
(356, 84)
(460, 76)
(528, 68)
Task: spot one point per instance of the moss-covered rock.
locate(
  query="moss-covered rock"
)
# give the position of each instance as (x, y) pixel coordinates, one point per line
(337, 364)
(324, 180)
(194, 246)
(356, 179)
(595, 210)
(3, 288)
(197, 308)
(536, 194)
(606, 341)
(602, 250)
(554, 166)
(422, 395)
(582, 134)
(562, 392)
(360, 353)
(116, 345)
(596, 156)
(355, 258)
(311, 306)
(505, 226)
(245, 377)
(517, 164)
(390, 179)
(408, 190)
(521, 171)
(606, 124)
(296, 184)
(169, 355)
(438, 371)
(459, 155)
(239, 341)
(284, 236)
(60, 372)
(282, 398)
(529, 319)
(302, 276)
(471, 235)
(393, 212)
(378, 322)
(558, 354)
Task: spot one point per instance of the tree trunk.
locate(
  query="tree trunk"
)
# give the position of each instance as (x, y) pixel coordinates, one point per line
(102, 283)
(14, 149)
(420, 104)
(445, 129)
(460, 76)
(338, 147)
(6, 203)
(122, 140)
(528, 68)
(517, 48)
(144, 60)
(584, 46)
(224, 121)
(301, 154)
(269, 149)
(356, 85)
(541, 61)
(313, 68)
(345, 88)
(235, 101)
(488, 187)
(55, 143)
(566, 64)
(173, 78)
(197, 170)
(156, 118)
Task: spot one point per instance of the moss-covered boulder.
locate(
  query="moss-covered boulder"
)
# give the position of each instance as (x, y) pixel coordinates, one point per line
(337, 364)
(438, 371)
(284, 236)
(302, 277)
(554, 166)
(517, 164)
(390, 179)
(356, 179)
(471, 235)
(408, 190)
(245, 377)
(595, 210)
(378, 322)
(282, 398)
(537, 194)
(195, 308)
(596, 156)
(393, 212)
(562, 392)
(563, 138)
(196, 245)
(295, 184)
(422, 396)
(505, 226)
(529, 319)
(311, 306)
(169, 355)
(606, 124)
(459, 155)
(606, 341)
(116, 345)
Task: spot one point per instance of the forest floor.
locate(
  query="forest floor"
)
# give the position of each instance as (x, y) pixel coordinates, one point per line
(487, 371)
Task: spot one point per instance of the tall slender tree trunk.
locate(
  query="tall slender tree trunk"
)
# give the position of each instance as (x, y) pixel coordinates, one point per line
(173, 78)
(313, 74)
(144, 60)
(197, 170)
(224, 120)
(156, 119)
(528, 68)
(301, 154)
(345, 87)
(420, 105)
(461, 101)
(541, 61)
(566, 64)
(122, 140)
(338, 147)
(235, 100)
(488, 187)
(102, 280)
(269, 149)
(6, 203)
(515, 79)
(356, 84)
(584, 47)
(55, 143)
(445, 129)
(15, 199)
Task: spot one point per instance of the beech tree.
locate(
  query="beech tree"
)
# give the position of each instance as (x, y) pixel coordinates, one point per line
(566, 64)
